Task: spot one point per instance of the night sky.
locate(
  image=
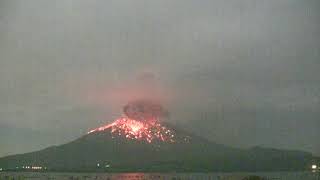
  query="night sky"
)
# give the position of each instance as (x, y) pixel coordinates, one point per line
(241, 73)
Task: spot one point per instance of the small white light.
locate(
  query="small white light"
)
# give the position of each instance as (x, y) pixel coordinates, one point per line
(314, 166)
(98, 164)
(0, 169)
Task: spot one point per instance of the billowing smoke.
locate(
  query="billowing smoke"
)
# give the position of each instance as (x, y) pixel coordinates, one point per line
(144, 110)
(146, 107)
(141, 115)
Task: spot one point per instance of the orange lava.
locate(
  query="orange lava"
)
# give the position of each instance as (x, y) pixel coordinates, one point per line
(140, 130)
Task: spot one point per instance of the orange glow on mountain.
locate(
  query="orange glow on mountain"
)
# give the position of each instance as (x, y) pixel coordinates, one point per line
(148, 131)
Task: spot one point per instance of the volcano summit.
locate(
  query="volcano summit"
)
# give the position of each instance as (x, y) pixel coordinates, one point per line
(141, 130)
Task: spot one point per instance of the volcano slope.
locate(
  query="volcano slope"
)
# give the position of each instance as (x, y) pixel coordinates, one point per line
(103, 151)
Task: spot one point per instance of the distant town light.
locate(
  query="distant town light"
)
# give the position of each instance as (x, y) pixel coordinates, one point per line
(0, 169)
(314, 166)
(32, 167)
(108, 165)
(98, 164)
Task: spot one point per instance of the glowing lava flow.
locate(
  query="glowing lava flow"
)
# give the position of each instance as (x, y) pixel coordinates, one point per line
(141, 130)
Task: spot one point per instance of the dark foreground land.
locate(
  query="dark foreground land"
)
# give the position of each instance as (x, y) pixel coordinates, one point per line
(161, 176)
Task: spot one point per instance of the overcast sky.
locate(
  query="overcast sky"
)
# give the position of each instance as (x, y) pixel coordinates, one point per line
(241, 73)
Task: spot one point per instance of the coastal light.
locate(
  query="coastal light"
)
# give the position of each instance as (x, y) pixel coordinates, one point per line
(314, 166)
(36, 167)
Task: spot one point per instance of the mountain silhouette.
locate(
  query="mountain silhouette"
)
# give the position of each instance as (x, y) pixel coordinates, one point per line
(102, 151)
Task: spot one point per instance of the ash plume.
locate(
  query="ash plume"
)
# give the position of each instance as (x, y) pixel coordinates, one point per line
(143, 110)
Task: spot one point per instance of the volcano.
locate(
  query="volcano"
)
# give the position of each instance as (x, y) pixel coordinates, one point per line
(114, 150)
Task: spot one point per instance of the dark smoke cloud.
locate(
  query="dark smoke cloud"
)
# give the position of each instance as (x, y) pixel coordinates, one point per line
(144, 110)
(147, 106)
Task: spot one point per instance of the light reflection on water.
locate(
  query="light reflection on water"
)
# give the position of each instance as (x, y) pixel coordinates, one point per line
(157, 176)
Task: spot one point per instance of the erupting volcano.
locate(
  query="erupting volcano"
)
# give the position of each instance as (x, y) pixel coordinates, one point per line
(141, 121)
(142, 115)
(148, 130)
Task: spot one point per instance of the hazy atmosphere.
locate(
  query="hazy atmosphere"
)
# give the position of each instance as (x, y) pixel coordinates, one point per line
(240, 73)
